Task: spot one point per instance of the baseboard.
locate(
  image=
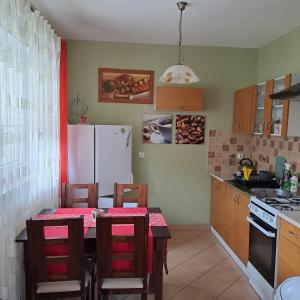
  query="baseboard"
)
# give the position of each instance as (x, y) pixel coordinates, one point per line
(230, 252)
(192, 227)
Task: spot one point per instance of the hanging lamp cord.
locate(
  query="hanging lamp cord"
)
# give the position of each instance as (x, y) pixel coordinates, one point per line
(180, 51)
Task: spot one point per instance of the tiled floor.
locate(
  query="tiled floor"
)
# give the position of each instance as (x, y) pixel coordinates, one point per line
(200, 269)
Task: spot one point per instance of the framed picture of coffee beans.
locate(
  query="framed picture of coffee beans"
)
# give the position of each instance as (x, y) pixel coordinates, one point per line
(125, 86)
(190, 129)
(157, 129)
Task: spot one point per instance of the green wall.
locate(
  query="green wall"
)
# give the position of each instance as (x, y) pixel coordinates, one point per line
(177, 174)
(279, 57)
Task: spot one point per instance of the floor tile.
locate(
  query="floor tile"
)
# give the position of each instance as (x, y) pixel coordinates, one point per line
(243, 283)
(190, 293)
(210, 285)
(184, 274)
(236, 293)
(200, 263)
(225, 275)
(171, 287)
(214, 253)
(179, 237)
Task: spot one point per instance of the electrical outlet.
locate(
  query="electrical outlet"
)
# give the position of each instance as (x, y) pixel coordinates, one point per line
(239, 155)
(141, 155)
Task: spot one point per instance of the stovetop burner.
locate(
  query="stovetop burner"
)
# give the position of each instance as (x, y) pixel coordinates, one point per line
(283, 207)
(271, 201)
(282, 203)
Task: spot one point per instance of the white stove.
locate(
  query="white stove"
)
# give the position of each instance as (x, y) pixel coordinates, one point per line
(264, 208)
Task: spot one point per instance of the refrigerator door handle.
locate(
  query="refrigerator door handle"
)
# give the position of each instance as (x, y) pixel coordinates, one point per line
(128, 137)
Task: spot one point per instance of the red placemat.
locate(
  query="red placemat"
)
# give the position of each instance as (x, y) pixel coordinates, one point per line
(87, 219)
(74, 211)
(157, 219)
(121, 211)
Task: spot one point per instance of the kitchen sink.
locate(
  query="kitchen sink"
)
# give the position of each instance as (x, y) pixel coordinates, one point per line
(271, 193)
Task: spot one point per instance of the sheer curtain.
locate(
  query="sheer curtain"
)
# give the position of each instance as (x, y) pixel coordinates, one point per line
(29, 130)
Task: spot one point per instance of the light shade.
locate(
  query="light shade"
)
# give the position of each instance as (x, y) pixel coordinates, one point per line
(181, 74)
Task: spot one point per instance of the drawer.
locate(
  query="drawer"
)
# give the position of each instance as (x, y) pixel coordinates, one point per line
(290, 232)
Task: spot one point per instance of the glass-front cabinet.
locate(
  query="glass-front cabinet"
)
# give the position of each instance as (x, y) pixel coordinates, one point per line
(259, 109)
(255, 112)
(271, 116)
(279, 107)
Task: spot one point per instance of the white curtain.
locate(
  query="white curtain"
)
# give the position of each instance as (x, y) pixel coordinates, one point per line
(29, 131)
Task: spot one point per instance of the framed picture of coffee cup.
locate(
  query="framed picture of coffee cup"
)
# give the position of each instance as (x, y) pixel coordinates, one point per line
(190, 129)
(125, 86)
(157, 129)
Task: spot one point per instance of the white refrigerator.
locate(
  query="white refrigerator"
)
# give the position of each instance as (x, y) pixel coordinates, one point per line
(100, 154)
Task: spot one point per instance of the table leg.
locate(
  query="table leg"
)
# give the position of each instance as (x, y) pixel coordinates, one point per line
(26, 272)
(156, 278)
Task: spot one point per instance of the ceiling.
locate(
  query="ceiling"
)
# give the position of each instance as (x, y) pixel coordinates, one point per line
(229, 23)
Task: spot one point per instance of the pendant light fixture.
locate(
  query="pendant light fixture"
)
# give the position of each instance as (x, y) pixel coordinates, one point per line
(179, 73)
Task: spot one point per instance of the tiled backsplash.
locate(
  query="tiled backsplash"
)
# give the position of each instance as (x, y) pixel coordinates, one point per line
(222, 150)
(223, 147)
(265, 150)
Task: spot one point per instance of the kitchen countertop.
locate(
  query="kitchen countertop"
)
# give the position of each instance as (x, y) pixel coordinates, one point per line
(242, 189)
(292, 217)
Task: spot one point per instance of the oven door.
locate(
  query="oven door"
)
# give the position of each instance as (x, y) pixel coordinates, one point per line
(262, 247)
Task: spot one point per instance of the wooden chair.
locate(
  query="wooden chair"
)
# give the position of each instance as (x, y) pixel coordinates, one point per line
(120, 198)
(141, 200)
(134, 278)
(68, 198)
(57, 267)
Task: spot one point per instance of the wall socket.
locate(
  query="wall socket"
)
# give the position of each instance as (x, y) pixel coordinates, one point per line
(141, 155)
(239, 155)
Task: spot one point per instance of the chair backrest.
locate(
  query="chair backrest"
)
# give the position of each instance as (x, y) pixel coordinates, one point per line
(69, 198)
(124, 245)
(120, 198)
(55, 253)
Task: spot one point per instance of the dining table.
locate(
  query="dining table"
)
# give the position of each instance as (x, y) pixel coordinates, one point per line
(157, 223)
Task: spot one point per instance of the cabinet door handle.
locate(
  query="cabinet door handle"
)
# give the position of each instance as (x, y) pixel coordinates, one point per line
(294, 235)
(234, 197)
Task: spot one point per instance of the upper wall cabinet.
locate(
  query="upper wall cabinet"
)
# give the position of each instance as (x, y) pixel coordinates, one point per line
(179, 99)
(271, 116)
(244, 101)
(277, 122)
(294, 111)
(265, 116)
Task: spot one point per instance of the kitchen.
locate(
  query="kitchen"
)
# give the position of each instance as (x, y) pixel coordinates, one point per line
(178, 174)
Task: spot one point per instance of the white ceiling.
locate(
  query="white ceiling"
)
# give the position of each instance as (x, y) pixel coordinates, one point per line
(230, 23)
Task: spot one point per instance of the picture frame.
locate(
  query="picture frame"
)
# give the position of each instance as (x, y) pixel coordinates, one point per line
(125, 86)
(157, 129)
(190, 129)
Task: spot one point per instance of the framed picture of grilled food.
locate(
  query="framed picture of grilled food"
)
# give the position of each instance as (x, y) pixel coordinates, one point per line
(125, 86)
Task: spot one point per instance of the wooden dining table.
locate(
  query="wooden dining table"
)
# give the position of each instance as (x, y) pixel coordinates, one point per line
(160, 235)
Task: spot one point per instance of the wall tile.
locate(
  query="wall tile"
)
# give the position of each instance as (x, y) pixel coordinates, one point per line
(262, 150)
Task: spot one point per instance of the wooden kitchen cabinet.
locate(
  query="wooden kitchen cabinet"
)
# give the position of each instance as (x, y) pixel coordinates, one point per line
(271, 116)
(179, 99)
(243, 114)
(217, 200)
(236, 227)
(288, 251)
(255, 112)
(242, 228)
